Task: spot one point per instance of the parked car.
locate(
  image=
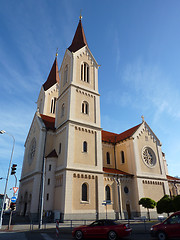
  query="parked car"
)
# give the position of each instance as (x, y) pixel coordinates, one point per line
(169, 228)
(109, 229)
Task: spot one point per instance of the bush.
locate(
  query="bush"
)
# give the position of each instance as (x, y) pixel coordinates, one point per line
(147, 203)
(176, 203)
(165, 205)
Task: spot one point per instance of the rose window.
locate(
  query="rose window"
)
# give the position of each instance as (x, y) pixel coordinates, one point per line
(148, 157)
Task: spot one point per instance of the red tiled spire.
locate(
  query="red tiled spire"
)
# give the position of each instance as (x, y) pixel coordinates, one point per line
(79, 39)
(53, 76)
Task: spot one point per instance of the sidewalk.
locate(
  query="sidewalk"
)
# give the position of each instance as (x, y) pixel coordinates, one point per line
(35, 227)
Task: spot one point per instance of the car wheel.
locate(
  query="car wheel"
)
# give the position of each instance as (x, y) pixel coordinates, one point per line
(161, 236)
(78, 235)
(112, 235)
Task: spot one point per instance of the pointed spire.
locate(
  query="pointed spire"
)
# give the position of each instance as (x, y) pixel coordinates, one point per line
(79, 39)
(53, 77)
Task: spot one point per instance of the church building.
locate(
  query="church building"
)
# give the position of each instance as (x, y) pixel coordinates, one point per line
(71, 166)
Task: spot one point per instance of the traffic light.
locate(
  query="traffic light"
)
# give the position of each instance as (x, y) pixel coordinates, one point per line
(13, 206)
(13, 169)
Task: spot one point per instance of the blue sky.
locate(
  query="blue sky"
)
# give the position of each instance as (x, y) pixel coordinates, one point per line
(136, 42)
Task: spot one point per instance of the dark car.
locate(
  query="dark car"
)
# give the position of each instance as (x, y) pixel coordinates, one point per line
(169, 228)
(109, 229)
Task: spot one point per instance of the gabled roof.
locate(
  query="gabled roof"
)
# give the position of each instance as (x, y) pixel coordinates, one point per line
(48, 121)
(53, 77)
(52, 154)
(116, 171)
(115, 138)
(79, 39)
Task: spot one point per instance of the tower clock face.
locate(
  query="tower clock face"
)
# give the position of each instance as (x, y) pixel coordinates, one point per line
(32, 150)
(148, 157)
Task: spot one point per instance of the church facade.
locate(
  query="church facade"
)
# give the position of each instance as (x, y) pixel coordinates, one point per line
(71, 166)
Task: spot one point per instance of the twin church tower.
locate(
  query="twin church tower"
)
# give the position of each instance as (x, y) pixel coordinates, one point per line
(70, 165)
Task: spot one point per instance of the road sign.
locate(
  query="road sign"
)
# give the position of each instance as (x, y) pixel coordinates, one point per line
(13, 199)
(15, 189)
(106, 202)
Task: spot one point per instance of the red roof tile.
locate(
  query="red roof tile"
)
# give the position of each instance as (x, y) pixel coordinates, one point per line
(115, 171)
(173, 178)
(48, 121)
(114, 138)
(52, 154)
(79, 39)
(53, 76)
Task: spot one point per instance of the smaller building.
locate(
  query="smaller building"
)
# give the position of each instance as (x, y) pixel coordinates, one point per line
(7, 201)
(174, 185)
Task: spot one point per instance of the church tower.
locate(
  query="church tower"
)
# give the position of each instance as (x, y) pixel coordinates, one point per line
(46, 103)
(78, 132)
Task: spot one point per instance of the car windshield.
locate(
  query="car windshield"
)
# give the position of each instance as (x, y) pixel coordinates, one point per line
(173, 220)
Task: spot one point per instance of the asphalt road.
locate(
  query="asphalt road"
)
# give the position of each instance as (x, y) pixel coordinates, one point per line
(140, 232)
(50, 236)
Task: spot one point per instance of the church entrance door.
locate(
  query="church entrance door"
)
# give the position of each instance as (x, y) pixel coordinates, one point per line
(128, 210)
(25, 208)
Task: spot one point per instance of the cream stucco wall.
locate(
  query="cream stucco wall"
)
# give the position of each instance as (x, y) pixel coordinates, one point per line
(147, 140)
(77, 203)
(108, 148)
(35, 132)
(84, 56)
(80, 157)
(158, 189)
(63, 100)
(59, 192)
(67, 62)
(127, 147)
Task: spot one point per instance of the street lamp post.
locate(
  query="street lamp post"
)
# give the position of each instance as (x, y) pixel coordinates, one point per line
(2, 209)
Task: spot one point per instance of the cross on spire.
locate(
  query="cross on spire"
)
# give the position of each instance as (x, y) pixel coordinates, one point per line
(142, 118)
(80, 17)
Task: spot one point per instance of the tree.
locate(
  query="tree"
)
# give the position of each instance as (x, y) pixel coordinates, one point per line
(147, 203)
(176, 203)
(165, 205)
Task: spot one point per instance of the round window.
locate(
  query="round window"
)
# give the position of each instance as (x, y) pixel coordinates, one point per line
(148, 157)
(126, 189)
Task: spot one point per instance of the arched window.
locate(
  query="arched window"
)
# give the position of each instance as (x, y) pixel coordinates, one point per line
(62, 110)
(59, 148)
(65, 75)
(84, 192)
(108, 158)
(85, 107)
(108, 193)
(53, 105)
(85, 72)
(84, 146)
(122, 157)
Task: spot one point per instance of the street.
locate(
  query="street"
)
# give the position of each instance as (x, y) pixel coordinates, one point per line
(140, 232)
(50, 236)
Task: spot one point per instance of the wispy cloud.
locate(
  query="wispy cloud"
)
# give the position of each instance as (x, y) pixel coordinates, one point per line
(146, 87)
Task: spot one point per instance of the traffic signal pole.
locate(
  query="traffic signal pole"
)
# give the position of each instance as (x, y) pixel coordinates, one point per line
(10, 217)
(13, 205)
(2, 209)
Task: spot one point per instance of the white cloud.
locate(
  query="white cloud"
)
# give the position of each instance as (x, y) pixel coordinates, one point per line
(152, 88)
